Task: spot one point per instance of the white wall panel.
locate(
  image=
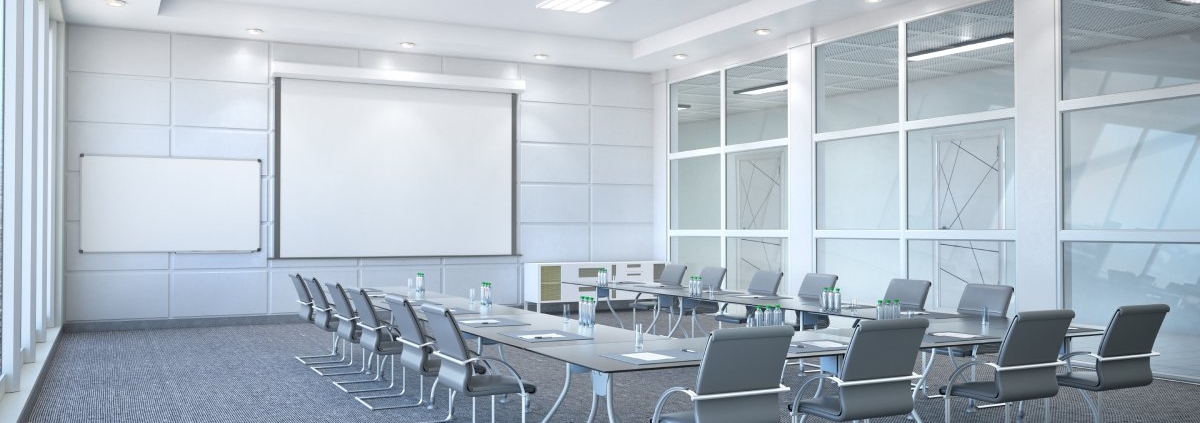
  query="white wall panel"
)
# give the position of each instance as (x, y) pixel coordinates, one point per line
(74, 260)
(621, 89)
(297, 53)
(221, 144)
(483, 68)
(398, 276)
(615, 126)
(623, 203)
(219, 59)
(209, 293)
(298, 263)
(282, 296)
(115, 296)
(399, 61)
(549, 122)
(547, 243)
(622, 242)
(552, 84)
(553, 163)
(554, 203)
(118, 99)
(115, 140)
(71, 208)
(221, 105)
(106, 50)
(401, 261)
(622, 165)
(250, 260)
(461, 279)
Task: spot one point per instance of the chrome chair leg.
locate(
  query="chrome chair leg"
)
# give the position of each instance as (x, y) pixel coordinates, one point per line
(420, 398)
(333, 352)
(320, 371)
(378, 377)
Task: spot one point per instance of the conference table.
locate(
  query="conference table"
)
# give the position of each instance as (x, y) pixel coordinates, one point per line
(604, 351)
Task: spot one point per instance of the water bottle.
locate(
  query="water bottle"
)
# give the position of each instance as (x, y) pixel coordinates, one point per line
(420, 283)
(985, 318)
(879, 312)
(824, 298)
(485, 294)
(603, 277)
(837, 300)
(895, 309)
(582, 310)
(778, 315)
(760, 316)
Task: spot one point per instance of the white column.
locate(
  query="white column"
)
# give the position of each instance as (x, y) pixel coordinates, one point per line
(14, 28)
(800, 159)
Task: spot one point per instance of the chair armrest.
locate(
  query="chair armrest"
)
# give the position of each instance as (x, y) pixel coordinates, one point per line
(800, 391)
(958, 371)
(662, 400)
(1000, 368)
(340, 317)
(1065, 357)
(840, 382)
(414, 344)
(373, 328)
(307, 303)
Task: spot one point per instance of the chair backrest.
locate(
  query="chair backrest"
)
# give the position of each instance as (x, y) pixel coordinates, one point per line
(322, 312)
(405, 318)
(977, 296)
(814, 283)
(880, 349)
(371, 339)
(764, 282)
(341, 305)
(672, 274)
(1131, 331)
(742, 359)
(712, 277)
(302, 295)
(450, 343)
(1033, 337)
(911, 293)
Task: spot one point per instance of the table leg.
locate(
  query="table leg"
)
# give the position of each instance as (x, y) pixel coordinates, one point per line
(602, 385)
(571, 369)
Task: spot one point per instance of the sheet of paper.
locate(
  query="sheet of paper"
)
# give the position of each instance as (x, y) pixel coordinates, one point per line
(825, 344)
(749, 296)
(955, 335)
(480, 321)
(541, 336)
(648, 356)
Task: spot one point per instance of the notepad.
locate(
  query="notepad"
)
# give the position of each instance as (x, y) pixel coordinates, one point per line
(479, 322)
(955, 335)
(541, 335)
(825, 344)
(648, 356)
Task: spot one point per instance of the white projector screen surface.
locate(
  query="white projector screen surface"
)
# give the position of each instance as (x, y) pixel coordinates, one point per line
(152, 204)
(370, 170)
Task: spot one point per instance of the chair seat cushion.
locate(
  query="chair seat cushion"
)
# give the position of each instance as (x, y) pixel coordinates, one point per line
(1079, 379)
(829, 408)
(679, 417)
(389, 348)
(983, 391)
(730, 318)
(482, 385)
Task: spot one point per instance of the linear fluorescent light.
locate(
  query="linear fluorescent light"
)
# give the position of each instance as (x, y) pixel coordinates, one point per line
(962, 47)
(763, 89)
(682, 106)
(577, 6)
(1185, 2)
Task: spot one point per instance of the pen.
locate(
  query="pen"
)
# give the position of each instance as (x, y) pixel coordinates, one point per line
(688, 351)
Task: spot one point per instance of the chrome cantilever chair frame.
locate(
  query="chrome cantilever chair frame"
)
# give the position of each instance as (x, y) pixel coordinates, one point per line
(347, 335)
(321, 318)
(800, 418)
(694, 397)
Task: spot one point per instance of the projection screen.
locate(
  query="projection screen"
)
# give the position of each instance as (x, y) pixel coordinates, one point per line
(367, 170)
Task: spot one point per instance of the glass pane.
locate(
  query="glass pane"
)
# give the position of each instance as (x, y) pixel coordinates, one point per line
(950, 265)
(858, 183)
(697, 113)
(756, 101)
(1112, 46)
(696, 252)
(863, 266)
(966, 81)
(1099, 277)
(757, 189)
(961, 177)
(696, 193)
(1132, 166)
(857, 81)
(749, 255)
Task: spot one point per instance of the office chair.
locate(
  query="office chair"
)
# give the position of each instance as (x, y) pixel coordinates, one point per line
(911, 293)
(810, 289)
(322, 317)
(672, 275)
(764, 282)
(380, 339)
(711, 278)
(347, 329)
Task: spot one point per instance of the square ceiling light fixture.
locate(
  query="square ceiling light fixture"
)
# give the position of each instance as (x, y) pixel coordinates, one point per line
(577, 6)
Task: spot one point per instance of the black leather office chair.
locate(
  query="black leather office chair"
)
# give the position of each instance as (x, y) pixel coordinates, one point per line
(738, 380)
(875, 374)
(458, 373)
(1123, 360)
(1025, 368)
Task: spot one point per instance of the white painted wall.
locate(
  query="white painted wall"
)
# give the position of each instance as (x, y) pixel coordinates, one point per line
(585, 169)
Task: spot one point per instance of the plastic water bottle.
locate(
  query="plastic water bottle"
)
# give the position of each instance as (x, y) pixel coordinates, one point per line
(603, 277)
(485, 294)
(420, 283)
(824, 298)
(837, 300)
(895, 309)
(985, 318)
(879, 311)
(778, 315)
(760, 316)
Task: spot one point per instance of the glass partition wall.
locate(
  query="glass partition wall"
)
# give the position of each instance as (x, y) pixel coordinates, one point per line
(913, 155)
(728, 170)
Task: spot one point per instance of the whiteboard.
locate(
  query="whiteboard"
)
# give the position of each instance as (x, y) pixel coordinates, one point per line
(154, 204)
(371, 170)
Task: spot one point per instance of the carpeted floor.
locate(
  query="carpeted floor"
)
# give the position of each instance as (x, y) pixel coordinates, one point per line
(248, 374)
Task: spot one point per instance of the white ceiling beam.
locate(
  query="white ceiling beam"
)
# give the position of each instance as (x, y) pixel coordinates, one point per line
(718, 22)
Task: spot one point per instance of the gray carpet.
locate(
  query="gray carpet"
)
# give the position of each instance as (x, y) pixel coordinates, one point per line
(247, 374)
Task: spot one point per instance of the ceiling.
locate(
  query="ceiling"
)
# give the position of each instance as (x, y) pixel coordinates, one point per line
(634, 35)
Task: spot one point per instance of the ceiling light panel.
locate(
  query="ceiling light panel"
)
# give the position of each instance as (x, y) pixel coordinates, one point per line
(962, 47)
(576, 6)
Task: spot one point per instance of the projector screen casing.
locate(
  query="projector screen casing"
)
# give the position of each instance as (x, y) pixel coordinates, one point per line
(367, 170)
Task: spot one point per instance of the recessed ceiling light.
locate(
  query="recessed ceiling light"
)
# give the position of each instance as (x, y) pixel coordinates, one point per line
(577, 6)
(680, 56)
(541, 56)
(762, 31)
(407, 44)
(1185, 2)
(115, 3)
(254, 31)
